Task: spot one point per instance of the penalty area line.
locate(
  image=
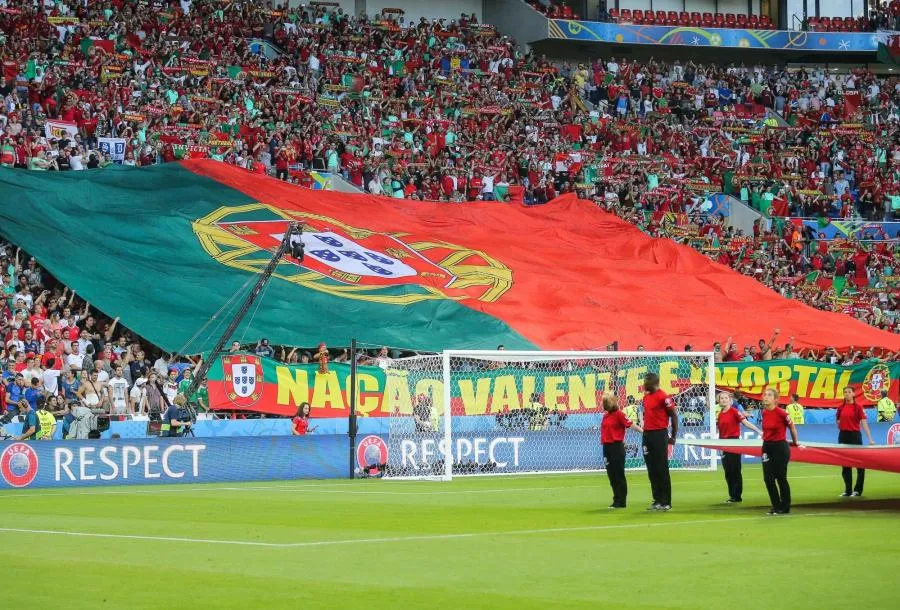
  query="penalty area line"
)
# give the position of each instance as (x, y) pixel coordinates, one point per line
(421, 538)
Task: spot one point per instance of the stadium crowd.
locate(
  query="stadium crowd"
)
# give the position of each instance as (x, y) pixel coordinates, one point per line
(447, 111)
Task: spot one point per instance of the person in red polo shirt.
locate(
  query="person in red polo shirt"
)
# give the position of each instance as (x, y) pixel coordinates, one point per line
(776, 453)
(729, 422)
(300, 423)
(612, 437)
(659, 408)
(851, 420)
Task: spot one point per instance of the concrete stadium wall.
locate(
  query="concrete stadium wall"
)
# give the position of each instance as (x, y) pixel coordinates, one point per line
(516, 19)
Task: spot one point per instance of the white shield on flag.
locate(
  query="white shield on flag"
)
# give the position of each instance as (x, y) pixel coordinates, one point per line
(243, 379)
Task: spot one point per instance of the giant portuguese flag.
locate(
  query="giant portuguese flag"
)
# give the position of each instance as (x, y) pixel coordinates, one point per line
(166, 247)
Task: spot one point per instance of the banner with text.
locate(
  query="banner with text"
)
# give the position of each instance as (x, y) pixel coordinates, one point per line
(252, 383)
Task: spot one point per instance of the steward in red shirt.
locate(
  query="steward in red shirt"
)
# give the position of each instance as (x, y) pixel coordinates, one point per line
(851, 420)
(659, 408)
(300, 423)
(729, 423)
(776, 453)
(612, 437)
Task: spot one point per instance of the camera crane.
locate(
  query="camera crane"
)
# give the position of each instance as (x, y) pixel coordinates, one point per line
(291, 243)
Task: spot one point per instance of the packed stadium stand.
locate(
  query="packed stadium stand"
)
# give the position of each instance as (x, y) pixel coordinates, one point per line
(456, 111)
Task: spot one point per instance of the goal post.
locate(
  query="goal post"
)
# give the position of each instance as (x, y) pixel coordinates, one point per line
(486, 412)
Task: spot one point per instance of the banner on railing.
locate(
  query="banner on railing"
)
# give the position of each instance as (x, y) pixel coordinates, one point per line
(252, 383)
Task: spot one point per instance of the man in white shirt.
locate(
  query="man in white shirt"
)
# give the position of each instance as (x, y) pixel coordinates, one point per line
(118, 392)
(31, 371)
(75, 359)
(50, 375)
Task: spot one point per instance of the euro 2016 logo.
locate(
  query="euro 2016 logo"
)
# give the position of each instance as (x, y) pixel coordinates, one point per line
(18, 465)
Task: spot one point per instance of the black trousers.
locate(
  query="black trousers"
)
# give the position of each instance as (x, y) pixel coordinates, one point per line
(846, 437)
(614, 458)
(775, 458)
(656, 457)
(731, 464)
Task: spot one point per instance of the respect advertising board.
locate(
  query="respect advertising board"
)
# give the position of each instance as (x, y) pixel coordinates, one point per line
(507, 451)
(171, 460)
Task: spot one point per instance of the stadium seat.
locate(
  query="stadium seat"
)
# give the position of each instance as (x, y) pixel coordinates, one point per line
(708, 19)
(614, 14)
(684, 20)
(765, 21)
(825, 24)
(649, 18)
(625, 15)
(672, 17)
(813, 24)
(753, 20)
(637, 16)
(567, 12)
(742, 20)
(730, 20)
(720, 20)
(695, 16)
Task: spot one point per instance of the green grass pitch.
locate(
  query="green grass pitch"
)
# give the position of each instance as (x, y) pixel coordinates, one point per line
(482, 542)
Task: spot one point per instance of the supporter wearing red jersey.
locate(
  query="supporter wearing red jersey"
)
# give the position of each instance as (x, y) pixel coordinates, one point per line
(729, 423)
(300, 422)
(776, 454)
(612, 437)
(659, 408)
(851, 420)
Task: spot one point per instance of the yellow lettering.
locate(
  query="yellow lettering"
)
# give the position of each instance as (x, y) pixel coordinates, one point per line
(367, 397)
(396, 393)
(727, 376)
(582, 392)
(505, 396)
(552, 392)
(668, 373)
(475, 397)
(634, 382)
(528, 384)
(604, 381)
(842, 383)
(753, 379)
(823, 384)
(433, 389)
(780, 376)
(327, 392)
(803, 372)
(291, 389)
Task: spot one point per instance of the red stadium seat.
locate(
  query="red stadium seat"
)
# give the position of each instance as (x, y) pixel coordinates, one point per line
(637, 15)
(625, 15)
(825, 24)
(649, 18)
(765, 20)
(684, 20)
(696, 16)
(684, 15)
(730, 19)
(614, 14)
(708, 19)
(720, 20)
(742, 20)
(753, 20)
(567, 11)
(672, 17)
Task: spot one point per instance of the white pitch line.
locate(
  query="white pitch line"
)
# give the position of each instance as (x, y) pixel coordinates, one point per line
(422, 538)
(320, 488)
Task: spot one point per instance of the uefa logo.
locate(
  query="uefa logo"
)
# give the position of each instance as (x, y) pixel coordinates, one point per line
(18, 465)
(893, 435)
(371, 451)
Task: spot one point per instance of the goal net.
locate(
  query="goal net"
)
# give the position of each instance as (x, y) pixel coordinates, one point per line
(503, 412)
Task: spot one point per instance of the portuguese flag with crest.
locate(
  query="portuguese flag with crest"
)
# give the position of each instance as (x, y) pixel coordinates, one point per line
(171, 249)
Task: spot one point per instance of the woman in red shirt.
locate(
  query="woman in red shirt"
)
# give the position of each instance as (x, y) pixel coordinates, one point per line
(851, 419)
(612, 437)
(729, 423)
(776, 453)
(300, 423)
